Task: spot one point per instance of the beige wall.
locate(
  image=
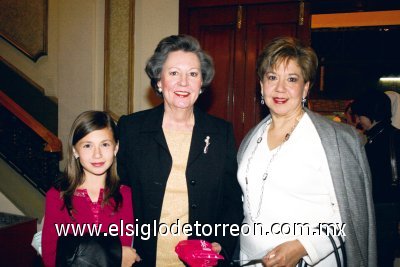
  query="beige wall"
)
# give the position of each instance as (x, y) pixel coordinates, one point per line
(44, 71)
(17, 190)
(154, 20)
(7, 206)
(80, 60)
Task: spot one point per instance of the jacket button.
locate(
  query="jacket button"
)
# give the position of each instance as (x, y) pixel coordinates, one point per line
(193, 182)
(194, 206)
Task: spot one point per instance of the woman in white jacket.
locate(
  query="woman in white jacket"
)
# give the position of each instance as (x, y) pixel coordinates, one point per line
(298, 168)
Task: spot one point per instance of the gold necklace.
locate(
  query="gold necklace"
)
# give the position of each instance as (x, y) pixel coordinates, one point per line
(265, 174)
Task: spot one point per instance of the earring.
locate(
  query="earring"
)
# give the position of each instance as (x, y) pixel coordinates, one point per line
(262, 100)
(160, 90)
(76, 156)
(303, 101)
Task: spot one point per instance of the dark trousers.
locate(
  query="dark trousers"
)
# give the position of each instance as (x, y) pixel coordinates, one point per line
(387, 215)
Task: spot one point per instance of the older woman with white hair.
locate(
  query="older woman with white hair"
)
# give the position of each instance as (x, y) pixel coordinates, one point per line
(179, 160)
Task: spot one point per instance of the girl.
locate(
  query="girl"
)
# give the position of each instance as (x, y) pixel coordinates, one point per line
(89, 193)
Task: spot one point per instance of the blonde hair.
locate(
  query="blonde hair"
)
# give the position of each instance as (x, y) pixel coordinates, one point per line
(283, 49)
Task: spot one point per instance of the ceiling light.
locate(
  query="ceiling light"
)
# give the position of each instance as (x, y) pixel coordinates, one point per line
(389, 79)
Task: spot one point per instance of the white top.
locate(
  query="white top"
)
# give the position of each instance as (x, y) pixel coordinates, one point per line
(395, 101)
(298, 189)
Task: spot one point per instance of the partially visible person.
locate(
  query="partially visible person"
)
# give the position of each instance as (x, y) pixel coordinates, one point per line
(373, 110)
(180, 161)
(395, 100)
(353, 120)
(89, 193)
(296, 166)
(349, 116)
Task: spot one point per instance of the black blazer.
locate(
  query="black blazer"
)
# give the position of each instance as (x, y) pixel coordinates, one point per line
(144, 162)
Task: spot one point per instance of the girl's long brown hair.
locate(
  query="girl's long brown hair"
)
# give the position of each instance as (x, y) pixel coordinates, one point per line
(73, 177)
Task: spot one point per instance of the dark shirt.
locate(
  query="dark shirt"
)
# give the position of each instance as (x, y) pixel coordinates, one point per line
(378, 153)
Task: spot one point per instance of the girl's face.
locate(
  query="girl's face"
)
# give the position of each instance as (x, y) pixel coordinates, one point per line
(96, 152)
(181, 80)
(283, 89)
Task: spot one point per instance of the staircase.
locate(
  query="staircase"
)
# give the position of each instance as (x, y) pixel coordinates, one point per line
(27, 146)
(29, 161)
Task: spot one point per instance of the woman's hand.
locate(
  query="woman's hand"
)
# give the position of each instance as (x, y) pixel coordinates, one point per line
(216, 247)
(286, 254)
(129, 256)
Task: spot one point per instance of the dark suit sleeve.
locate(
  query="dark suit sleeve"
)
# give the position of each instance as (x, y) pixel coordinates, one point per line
(125, 172)
(232, 207)
(122, 151)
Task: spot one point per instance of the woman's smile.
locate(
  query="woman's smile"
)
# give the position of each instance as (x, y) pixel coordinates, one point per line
(279, 100)
(182, 93)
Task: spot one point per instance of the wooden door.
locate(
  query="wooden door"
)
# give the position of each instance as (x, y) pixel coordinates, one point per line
(216, 30)
(234, 35)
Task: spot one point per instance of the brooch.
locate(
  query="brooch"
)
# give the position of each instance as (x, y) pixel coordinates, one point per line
(207, 141)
